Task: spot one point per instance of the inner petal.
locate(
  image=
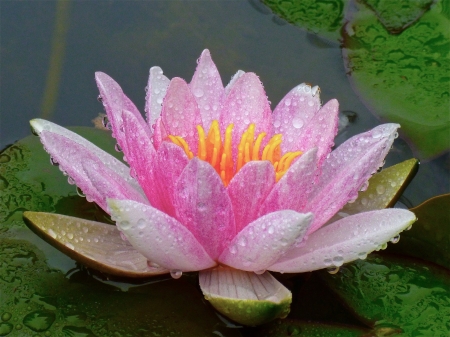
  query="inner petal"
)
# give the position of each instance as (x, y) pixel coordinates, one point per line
(218, 152)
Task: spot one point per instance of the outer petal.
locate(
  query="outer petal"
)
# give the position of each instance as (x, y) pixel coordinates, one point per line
(246, 103)
(320, 130)
(156, 90)
(248, 188)
(292, 191)
(159, 237)
(207, 87)
(170, 162)
(141, 157)
(346, 171)
(180, 114)
(114, 164)
(345, 240)
(293, 113)
(203, 206)
(115, 101)
(265, 240)
(72, 157)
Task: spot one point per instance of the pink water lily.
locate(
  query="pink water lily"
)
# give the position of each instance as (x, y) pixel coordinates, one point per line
(215, 178)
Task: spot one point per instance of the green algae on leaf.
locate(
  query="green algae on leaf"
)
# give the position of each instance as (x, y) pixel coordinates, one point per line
(292, 327)
(404, 78)
(28, 181)
(318, 16)
(399, 14)
(398, 293)
(429, 237)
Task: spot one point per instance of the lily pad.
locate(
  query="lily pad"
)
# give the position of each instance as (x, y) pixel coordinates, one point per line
(29, 182)
(401, 294)
(321, 17)
(429, 237)
(399, 14)
(245, 297)
(404, 78)
(94, 244)
(290, 327)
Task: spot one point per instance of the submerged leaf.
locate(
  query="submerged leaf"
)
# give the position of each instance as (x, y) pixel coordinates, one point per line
(404, 78)
(429, 238)
(398, 293)
(94, 244)
(245, 297)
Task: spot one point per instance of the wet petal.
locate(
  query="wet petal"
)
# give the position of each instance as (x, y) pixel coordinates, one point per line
(292, 191)
(234, 78)
(203, 206)
(345, 240)
(180, 113)
(156, 90)
(293, 113)
(246, 298)
(320, 130)
(207, 87)
(246, 103)
(346, 171)
(159, 237)
(247, 190)
(265, 240)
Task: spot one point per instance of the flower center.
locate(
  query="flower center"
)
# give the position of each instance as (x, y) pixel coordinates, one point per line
(217, 152)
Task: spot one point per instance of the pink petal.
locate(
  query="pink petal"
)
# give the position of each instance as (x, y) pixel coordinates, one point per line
(292, 190)
(207, 87)
(293, 113)
(170, 162)
(141, 157)
(71, 158)
(159, 134)
(320, 130)
(114, 164)
(347, 169)
(159, 237)
(265, 240)
(203, 206)
(180, 114)
(246, 104)
(234, 78)
(114, 101)
(248, 188)
(345, 240)
(156, 90)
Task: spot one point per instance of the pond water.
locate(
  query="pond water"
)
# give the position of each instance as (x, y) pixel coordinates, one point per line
(49, 54)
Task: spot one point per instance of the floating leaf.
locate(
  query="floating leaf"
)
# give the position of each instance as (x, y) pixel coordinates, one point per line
(321, 17)
(245, 297)
(291, 327)
(429, 237)
(94, 244)
(399, 14)
(401, 294)
(29, 182)
(404, 78)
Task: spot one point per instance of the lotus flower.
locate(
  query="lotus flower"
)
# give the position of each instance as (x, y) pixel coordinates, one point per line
(218, 183)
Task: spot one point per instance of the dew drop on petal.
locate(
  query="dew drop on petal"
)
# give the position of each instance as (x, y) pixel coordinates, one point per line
(395, 239)
(152, 264)
(338, 261)
(176, 274)
(80, 192)
(297, 122)
(381, 189)
(259, 272)
(333, 270)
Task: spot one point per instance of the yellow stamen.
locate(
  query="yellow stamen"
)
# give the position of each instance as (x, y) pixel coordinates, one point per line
(219, 154)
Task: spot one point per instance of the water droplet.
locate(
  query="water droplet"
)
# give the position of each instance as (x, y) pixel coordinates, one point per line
(408, 228)
(80, 192)
(118, 148)
(338, 261)
(242, 241)
(6, 316)
(333, 270)
(297, 122)
(198, 92)
(141, 224)
(100, 98)
(395, 239)
(152, 265)
(34, 132)
(259, 272)
(70, 181)
(233, 249)
(176, 274)
(287, 102)
(381, 189)
(124, 225)
(362, 255)
(53, 161)
(105, 121)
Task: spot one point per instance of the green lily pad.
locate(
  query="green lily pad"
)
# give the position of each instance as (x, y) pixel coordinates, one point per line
(290, 327)
(402, 294)
(429, 237)
(404, 78)
(28, 181)
(318, 16)
(80, 305)
(399, 14)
